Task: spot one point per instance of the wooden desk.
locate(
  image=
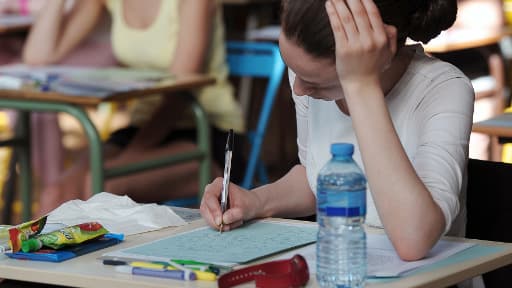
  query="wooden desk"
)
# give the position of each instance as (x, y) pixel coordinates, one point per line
(500, 126)
(459, 39)
(88, 271)
(30, 100)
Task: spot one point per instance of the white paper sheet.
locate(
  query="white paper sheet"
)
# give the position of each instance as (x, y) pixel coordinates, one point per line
(119, 214)
(382, 258)
(187, 214)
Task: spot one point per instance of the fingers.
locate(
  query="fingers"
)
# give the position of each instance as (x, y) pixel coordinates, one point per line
(336, 26)
(232, 219)
(233, 215)
(360, 16)
(392, 35)
(374, 17)
(355, 18)
(210, 206)
(233, 225)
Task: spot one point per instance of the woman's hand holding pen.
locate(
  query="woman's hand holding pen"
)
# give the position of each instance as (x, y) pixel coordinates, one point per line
(242, 206)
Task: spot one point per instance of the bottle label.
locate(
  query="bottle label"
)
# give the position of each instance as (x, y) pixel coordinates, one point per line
(343, 204)
(343, 211)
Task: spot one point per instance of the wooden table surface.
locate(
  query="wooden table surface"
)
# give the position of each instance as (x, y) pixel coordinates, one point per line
(88, 270)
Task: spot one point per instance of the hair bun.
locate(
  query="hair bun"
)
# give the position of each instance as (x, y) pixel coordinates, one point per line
(430, 18)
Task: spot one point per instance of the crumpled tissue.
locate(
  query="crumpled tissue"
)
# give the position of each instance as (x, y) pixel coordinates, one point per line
(118, 214)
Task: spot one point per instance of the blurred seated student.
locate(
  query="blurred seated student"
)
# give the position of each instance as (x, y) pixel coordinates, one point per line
(11, 45)
(48, 151)
(482, 16)
(177, 36)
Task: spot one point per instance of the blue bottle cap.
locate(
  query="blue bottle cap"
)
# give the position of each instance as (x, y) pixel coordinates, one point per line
(342, 149)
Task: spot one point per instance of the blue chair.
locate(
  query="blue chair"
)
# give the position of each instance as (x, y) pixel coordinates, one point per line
(257, 60)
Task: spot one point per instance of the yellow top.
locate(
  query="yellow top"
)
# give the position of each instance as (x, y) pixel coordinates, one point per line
(154, 48)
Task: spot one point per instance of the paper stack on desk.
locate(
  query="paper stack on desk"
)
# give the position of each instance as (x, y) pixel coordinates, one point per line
(85, 81)
(242, 245)
(383, 261)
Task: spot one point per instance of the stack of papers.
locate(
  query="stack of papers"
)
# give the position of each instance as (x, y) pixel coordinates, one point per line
(96, 82)
(265, 237)
(250, 242)
(383, 262)
(16, 20)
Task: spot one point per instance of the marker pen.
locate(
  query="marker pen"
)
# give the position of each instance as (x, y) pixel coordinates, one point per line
(162, 273)
(200, 275)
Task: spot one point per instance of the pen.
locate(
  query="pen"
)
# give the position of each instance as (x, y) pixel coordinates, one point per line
(199, 275)
(162, 273)
(182, 268)
(215, 268)
(227, 172)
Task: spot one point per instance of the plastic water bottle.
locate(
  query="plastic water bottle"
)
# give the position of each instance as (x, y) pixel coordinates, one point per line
(341, 211)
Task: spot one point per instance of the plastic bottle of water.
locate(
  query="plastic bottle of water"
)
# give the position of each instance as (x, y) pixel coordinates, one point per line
(341, 211)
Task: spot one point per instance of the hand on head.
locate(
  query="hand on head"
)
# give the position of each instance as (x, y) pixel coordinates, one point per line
(365, 45)
(242, 206)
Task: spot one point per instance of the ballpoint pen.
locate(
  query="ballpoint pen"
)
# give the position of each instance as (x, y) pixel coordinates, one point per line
(227, 172)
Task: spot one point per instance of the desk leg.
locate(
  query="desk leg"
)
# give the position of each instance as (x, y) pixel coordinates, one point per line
(203, 144)
(24, 158)
(96, 152)
(95, 148)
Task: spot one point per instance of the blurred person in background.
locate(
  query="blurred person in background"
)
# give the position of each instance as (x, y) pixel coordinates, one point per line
(176, 36)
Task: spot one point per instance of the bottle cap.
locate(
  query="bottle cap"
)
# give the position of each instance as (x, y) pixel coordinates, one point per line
(31, 245)
(342, 149)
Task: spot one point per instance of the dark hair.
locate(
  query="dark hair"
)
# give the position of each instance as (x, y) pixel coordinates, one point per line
(307, 23)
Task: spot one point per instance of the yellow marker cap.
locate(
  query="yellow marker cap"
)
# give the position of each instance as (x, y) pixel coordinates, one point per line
(205, 276)
(201, 275)
(147, 265)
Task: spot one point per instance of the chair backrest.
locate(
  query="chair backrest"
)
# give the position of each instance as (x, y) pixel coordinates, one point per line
(489, 210)
(259, 60)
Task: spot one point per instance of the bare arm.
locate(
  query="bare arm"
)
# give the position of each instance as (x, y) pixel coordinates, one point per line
(54, 34)
(412, 219)
(288, 197)
(196, 18)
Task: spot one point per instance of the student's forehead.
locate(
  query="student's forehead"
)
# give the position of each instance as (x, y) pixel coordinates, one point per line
(309, 68)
